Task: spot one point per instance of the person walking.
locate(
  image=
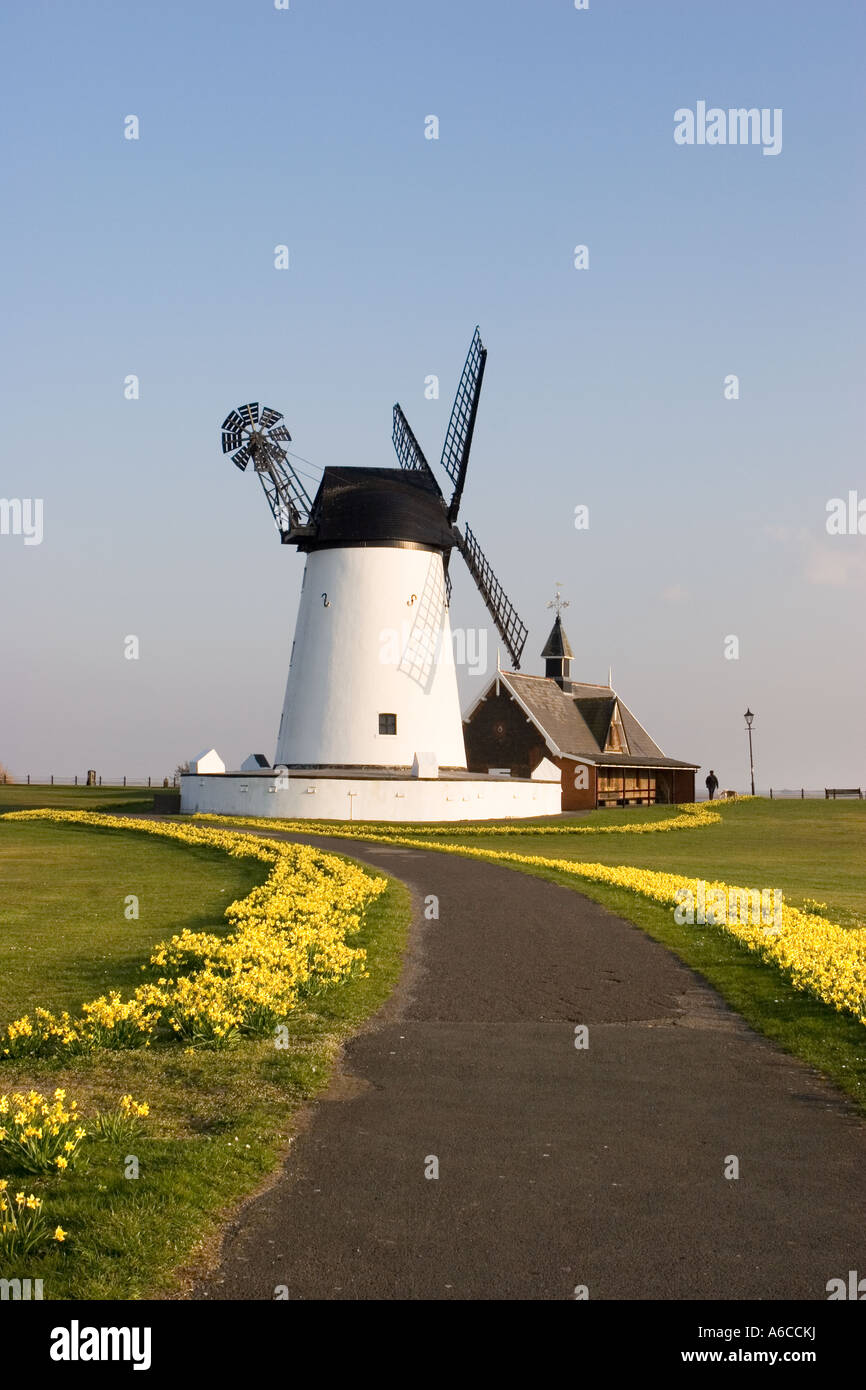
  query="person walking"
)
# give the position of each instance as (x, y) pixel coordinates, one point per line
(711, 783)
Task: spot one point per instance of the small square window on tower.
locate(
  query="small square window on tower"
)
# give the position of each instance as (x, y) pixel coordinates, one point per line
(387, 723)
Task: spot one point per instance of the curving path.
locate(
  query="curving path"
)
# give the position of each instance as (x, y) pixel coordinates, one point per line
(558, 1167)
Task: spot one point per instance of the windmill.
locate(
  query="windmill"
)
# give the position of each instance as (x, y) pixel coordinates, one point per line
(371, 679)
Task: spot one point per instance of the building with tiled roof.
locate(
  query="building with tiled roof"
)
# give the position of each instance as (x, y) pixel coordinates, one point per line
(529, 725)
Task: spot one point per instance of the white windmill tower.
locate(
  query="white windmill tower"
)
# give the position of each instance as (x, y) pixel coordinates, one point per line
(372, 682)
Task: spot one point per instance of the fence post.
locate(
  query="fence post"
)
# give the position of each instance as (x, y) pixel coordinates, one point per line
(124, 781)
(802, 793)
(771, 793)
(28, 779)
(148, 781)
(76, 779)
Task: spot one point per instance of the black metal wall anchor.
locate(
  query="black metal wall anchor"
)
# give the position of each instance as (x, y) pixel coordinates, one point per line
(326, 601)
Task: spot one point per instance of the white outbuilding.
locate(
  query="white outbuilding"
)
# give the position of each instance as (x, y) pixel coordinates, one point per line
(208, 761)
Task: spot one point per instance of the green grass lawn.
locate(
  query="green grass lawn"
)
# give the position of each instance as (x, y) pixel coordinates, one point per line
(219, 1121)
(64, 937)
(17, 796)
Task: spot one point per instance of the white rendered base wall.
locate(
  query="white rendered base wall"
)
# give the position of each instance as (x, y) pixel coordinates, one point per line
(369, 798)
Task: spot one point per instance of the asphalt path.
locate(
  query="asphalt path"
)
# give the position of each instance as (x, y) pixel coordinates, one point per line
(560, 1168)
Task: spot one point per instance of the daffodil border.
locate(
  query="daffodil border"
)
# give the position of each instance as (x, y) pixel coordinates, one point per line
(689, 816)
(289, 936)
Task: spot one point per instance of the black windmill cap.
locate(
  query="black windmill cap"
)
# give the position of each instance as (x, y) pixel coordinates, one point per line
(378, 506)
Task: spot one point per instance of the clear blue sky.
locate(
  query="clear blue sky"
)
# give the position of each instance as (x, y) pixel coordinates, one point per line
(604, 387)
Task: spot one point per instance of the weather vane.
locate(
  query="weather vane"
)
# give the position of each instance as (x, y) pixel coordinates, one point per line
(558, 602)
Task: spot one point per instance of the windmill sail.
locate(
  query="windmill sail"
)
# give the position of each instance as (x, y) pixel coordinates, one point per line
(455, 461)
(461, 426)
(408, 450)
(509, 625)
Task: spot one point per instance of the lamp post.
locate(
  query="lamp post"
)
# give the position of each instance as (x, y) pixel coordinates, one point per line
(749, 718)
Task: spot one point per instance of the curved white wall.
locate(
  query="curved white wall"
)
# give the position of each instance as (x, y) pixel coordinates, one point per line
(370, 799)
(381, 645)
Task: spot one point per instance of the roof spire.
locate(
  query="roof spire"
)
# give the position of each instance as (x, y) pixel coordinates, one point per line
(557, 651)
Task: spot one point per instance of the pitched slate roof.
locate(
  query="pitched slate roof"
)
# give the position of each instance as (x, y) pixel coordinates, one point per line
(575, 723)
(636, 735)
(555, 713)
(597, 711)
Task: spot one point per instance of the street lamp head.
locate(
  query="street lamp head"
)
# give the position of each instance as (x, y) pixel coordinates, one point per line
(748, 718)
